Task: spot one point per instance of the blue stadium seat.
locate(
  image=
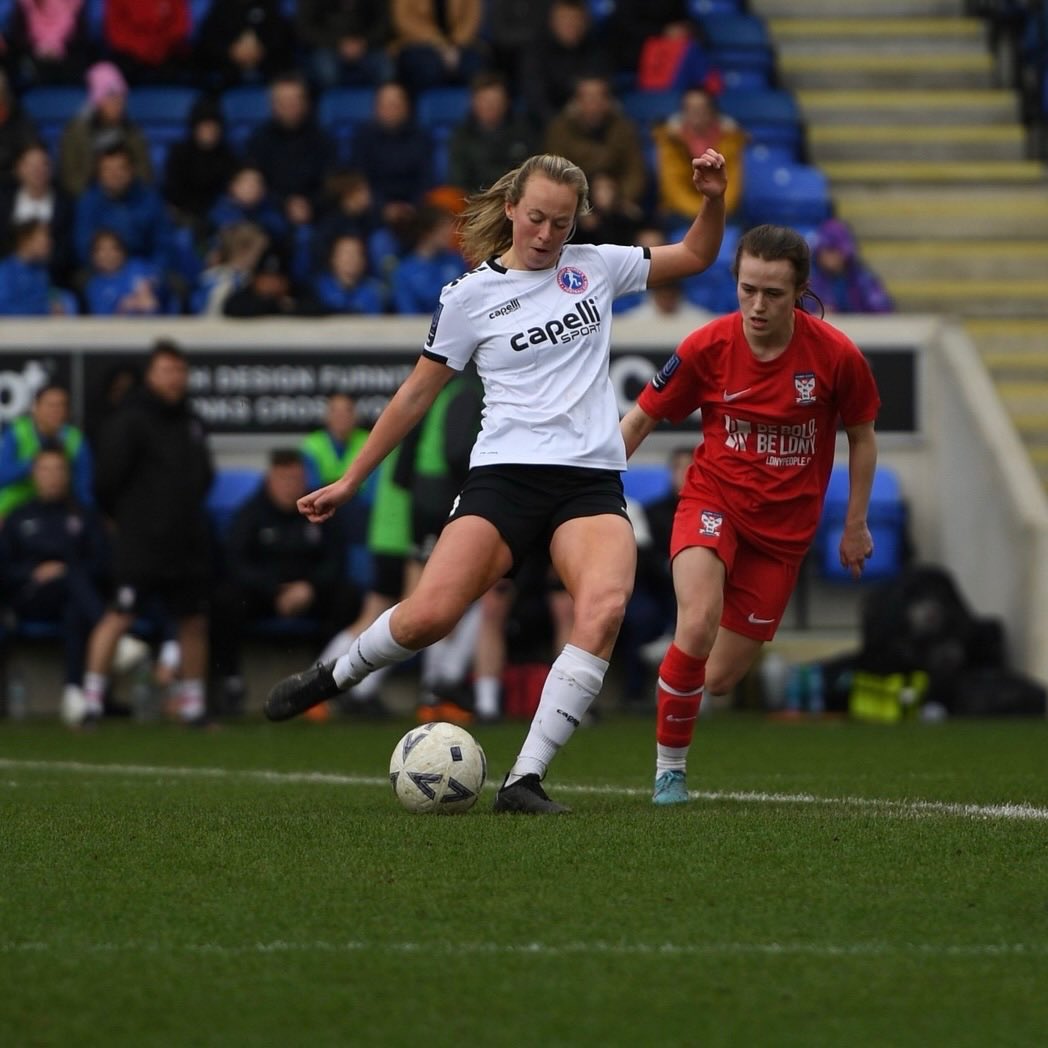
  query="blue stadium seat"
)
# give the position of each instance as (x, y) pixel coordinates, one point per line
(244, 108)
(886, 518)
(51, 108)
(772, 117)
(646, 483)
(650, 107)
(162, 111)
(786, 194)
(700, 9)
(738, 41)
(341, 110)
(440, 108)
(230, 488)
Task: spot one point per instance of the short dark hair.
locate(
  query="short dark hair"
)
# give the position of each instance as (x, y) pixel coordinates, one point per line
(167, 347)
(285, 457)
(48, 387)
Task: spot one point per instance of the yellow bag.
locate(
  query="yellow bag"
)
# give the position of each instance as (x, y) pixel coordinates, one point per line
(888, 698)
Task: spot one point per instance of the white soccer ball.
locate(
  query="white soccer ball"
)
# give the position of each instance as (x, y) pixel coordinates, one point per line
(439, 768)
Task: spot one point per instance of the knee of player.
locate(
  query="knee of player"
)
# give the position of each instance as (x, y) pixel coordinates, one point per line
(720, 680)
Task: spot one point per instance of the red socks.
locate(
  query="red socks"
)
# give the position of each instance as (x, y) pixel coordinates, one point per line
(681, 678)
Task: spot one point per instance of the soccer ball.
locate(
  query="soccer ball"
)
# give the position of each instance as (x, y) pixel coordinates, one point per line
(437, 767)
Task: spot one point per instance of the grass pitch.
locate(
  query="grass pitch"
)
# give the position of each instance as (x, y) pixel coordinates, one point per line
(829, 884)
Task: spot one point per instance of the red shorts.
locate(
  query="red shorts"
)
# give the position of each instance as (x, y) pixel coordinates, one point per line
(758, 585)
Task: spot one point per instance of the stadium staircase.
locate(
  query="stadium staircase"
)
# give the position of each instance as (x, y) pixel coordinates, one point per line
(929, 163)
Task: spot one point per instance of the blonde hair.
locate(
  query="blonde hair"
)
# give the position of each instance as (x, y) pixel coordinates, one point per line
(484, 228)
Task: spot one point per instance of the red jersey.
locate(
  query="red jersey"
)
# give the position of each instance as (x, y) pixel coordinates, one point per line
(769, 427)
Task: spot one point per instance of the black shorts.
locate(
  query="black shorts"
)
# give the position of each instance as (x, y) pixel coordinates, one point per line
(388, 577)
(178, 597)
(528, 503)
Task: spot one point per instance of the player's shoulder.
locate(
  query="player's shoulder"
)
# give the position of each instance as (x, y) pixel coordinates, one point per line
(824, 333)
(472, 282)
(719, 332)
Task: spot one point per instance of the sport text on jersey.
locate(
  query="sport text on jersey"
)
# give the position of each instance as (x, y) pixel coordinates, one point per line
(584, 319)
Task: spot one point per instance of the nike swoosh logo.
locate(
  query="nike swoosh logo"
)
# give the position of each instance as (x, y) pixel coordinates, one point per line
(729, 397)
(679, 720)
(759, 622)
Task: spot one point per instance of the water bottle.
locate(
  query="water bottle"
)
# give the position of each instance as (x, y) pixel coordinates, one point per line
(795, 689)
(143, 704)
(17, 698)
(774, 671)
(816, 690)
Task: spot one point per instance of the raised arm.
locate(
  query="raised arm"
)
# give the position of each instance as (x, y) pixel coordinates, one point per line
(699, 247)
(407, 406)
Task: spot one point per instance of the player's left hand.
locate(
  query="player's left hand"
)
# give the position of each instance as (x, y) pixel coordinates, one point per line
(709, 174)
(856, 548)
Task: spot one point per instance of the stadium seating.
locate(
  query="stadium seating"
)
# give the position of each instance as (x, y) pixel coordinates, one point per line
(51, 108)
(243, 109)
(886, 519)
(229, 489)
(646, 108)
(646, 483)
(440, 108)
(786, 194)
(738, 41)
(770, 116)
(340, 110)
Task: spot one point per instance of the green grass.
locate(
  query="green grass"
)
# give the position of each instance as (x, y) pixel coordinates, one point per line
(825, 887)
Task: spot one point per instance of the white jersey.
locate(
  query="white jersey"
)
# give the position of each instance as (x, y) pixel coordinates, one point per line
(541, 343)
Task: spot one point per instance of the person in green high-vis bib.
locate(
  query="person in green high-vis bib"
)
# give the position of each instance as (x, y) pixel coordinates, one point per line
(384, 533)
(46, 423)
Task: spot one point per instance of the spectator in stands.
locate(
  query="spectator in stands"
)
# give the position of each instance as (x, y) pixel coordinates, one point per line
(593, 132)
(394, 154)
(840, 280)
(25, 279)
(633, 23)
(278, 566)
(512, 26)
(54, 563)
(17, 130)
(243, 42)
(491, 136)
(149, 39)
(612, 219)
(327, 452)
(119, 201)
(49, 42)
(35, 196)
(345, 287)
(229, 266)
(697, 125)
(567, 49)
(669, 302)
(247, 199)
(349, 211)
(437, 42)
(271, 292)
(46, 423)
(102, 125)
(154, 471)
(119, 285)
(200, 167)
(431, 263)
(345, 41)
(291, 150)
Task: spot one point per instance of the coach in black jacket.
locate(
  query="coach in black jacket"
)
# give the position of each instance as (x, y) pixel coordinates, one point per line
(152, 476)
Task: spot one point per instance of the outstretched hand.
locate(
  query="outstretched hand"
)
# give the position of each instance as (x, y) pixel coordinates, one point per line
(321, 504)
(709, 174)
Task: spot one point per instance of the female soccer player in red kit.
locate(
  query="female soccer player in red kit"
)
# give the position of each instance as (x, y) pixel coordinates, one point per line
(771, 382)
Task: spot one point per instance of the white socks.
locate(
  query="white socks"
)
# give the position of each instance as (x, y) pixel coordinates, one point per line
(373, 649)
(573, 682)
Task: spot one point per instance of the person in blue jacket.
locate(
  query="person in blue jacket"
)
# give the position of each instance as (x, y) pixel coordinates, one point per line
(429, 265)
(345, 287)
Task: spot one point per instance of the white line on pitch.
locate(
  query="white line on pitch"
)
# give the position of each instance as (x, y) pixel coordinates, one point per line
(1014, 811)
(545, 949)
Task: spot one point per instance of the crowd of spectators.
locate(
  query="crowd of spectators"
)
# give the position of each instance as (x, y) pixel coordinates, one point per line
(309, 212)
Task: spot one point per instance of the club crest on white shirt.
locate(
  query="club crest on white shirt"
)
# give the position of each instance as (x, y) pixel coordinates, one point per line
(572, 280)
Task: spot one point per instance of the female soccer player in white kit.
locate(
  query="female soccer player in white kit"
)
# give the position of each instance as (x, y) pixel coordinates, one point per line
(535, 318)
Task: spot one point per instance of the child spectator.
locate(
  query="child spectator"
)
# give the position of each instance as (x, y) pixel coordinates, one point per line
(346, 287)
(17, 130)
(247, 199)
(238, 248)
(431, 263)
(839, 278)
(25, 283)
(120, 286)
(103, 125)
(349, 211)
(271, 292)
